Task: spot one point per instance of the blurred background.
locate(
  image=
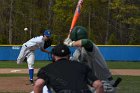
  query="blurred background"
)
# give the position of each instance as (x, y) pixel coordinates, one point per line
(109, 22)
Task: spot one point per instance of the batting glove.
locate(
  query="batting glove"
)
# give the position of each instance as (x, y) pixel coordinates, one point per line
(68, 42)
(108, 88)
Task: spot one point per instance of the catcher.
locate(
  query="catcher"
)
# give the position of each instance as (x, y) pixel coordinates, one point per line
(27, 51)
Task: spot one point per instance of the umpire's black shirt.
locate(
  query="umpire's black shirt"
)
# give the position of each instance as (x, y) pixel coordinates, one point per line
(63, 75)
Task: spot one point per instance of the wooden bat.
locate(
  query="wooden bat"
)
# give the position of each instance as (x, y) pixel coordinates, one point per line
(76, 15)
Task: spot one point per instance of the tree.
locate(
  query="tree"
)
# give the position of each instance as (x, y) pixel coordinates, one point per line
(63, 12)
(125, 14)
(104, 19)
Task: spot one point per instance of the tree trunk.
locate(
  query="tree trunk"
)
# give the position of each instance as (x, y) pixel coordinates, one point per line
(10, 22)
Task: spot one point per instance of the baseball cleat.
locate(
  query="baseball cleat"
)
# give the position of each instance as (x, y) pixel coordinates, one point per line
(30, 82)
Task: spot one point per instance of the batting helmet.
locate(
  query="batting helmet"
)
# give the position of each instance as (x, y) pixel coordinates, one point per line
(78, 33)
(47, 33)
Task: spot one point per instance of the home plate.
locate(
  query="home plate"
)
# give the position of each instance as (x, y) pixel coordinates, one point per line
(15, 71)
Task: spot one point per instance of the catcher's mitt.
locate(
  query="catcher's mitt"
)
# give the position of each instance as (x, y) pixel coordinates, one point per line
(47, 43)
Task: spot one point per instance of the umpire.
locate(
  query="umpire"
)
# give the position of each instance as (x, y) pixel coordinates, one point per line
(66, 76)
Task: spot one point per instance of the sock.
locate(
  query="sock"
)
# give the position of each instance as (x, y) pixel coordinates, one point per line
(31, 73)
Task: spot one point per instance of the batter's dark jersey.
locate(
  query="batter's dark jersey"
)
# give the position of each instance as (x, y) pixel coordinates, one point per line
(63, 75)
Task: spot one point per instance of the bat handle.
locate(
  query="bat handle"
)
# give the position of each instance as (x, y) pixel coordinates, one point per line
(117, 82)
(68, 36)
(69, 33)
(80, 2)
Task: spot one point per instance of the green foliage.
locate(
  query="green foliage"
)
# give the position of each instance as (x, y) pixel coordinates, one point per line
(100, 17)
(63, 14)
(125, 15)
(134, 37)
(113, 39)
(122, 12)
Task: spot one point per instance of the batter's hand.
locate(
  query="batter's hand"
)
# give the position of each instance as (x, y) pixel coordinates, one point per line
(68, 42)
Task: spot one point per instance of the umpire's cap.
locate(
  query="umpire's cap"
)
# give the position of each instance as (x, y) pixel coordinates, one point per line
(61, 50)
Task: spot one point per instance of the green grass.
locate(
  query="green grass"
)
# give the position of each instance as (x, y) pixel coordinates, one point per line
(129, 84)
(13, 64)
(14, 75)
(38, 64)
(123, 65)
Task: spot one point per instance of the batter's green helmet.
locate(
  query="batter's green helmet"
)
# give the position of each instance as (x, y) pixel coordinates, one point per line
(78, 33)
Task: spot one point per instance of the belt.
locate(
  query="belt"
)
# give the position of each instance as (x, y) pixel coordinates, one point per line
(75, 91)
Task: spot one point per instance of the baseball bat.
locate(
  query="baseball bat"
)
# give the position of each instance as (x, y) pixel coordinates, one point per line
(76, 15)
(116, 83)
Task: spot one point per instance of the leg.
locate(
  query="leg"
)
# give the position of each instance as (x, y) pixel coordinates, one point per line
(30, 61)
(99, 64)
(22, 55)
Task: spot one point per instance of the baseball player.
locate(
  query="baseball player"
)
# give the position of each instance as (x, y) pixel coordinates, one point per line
(28, 49)
(88, 53)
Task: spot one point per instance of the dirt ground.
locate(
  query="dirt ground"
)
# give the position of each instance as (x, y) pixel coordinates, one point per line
(20, 84)
(15, 85)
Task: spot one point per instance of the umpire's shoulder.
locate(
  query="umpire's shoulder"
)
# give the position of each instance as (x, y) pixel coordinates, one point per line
(76, 62)
(44, 67)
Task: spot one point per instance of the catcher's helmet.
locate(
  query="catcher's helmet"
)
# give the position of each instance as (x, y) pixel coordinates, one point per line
(47, 33)
(78, 33)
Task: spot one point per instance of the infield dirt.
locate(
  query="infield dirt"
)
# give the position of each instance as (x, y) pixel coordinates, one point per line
(19, 84)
